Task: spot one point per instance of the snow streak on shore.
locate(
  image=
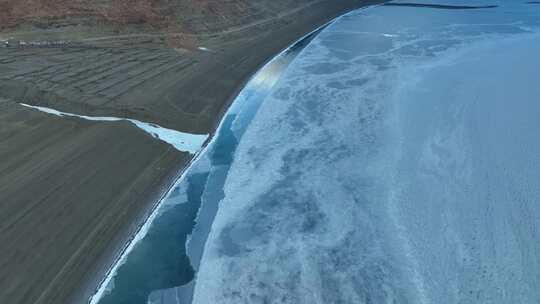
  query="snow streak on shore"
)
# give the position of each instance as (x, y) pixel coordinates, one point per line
(185, 142)
(396, 161)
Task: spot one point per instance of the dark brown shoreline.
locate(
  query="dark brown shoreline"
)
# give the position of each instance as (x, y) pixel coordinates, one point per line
(78, 283)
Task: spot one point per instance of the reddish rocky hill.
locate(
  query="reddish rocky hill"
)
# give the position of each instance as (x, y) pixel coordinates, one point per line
(201, 15)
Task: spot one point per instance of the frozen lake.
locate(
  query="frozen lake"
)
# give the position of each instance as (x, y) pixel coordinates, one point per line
(394, 159)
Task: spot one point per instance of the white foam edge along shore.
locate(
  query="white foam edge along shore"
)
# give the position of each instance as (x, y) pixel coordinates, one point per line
(185, 142)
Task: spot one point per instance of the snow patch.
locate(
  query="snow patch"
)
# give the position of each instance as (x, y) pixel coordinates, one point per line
(185, 142)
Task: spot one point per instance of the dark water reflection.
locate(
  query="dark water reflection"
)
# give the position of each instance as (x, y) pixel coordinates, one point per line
(440, 6)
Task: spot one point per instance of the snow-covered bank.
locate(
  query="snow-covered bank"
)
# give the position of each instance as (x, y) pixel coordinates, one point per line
(397, 161)
(185, 142)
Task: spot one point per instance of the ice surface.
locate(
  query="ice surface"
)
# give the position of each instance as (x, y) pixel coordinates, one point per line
(185, 142)
(397, 161)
